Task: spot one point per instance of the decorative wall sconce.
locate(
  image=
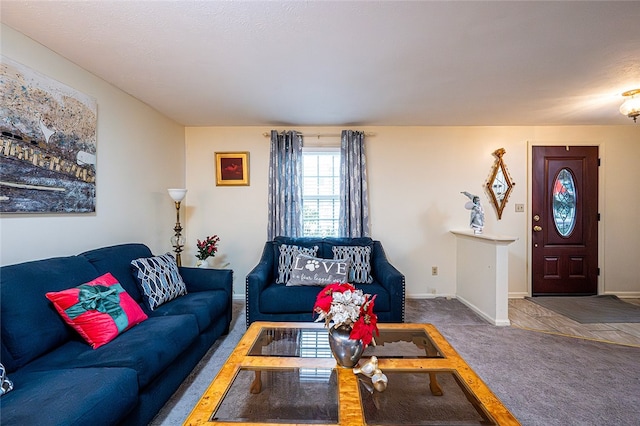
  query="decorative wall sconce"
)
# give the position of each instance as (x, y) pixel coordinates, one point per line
(499, 184)
(177, 241)
(631, 105)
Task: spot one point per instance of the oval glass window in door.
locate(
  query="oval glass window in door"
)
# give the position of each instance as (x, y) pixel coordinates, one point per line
(564, 203)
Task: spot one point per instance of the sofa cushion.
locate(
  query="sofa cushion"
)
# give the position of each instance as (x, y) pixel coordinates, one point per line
(299, 241)
(206, 306)
(300, 299)
(359, 258)
(330, 242)
(82, 396)
(305, 242)
(159, 279)
(278, 299)
(117, 260)
(98, 310)
(6, 385)
(286, 256)
(30, 325)
(383, 301)
(149, 348)
(309, 270)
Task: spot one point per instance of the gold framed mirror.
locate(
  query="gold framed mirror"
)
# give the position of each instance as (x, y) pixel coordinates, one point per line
(499, 184)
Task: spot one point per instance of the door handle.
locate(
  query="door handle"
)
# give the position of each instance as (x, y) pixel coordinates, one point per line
(537, 228)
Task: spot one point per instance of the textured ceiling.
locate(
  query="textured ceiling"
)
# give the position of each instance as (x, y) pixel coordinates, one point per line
(319, 63)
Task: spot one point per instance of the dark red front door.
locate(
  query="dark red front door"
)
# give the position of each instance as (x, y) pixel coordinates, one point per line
(565, 220)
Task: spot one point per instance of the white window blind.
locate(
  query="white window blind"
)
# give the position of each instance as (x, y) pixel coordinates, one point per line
(321, 191)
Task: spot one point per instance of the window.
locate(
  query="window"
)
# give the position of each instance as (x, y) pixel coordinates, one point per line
(321, 192)
(564, 203)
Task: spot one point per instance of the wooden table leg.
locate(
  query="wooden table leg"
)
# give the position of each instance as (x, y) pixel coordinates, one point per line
(436, 390)
(256, 385)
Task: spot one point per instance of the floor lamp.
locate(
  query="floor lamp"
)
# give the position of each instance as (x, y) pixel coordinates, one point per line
(177, 241)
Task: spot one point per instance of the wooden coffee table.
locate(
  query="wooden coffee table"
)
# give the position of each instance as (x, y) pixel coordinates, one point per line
(283, 373)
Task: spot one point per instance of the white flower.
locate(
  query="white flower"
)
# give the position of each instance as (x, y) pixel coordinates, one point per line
(345, 307)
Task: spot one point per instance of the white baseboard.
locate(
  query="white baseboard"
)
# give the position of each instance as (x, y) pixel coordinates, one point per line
(620, 294)
(474, 308)
(429, 296)
(624, 294)
(518, 294)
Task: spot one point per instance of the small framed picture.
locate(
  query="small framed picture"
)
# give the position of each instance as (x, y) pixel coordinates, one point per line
(232, 168)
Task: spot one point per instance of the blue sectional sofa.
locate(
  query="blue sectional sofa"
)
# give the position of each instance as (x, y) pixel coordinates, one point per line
(59, 379)
(267, 300)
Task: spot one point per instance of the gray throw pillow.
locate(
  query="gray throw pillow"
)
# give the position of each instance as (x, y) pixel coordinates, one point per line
(287, 256)
(359, 258)
(309, 270)
(159, 279)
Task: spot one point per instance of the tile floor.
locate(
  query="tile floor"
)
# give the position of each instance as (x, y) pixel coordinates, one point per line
(526, 314)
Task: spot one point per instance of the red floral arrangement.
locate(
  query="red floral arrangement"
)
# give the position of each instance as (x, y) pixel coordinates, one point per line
(208, 247)
(344, 305)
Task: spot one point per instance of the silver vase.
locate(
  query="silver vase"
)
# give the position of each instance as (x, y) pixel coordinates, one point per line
(346, 351)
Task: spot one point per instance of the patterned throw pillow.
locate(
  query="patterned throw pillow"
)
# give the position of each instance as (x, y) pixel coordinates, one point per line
(99, 310)
(285, 260)
(159, 279)
(309, 270)
(360, 259)
(5, 384)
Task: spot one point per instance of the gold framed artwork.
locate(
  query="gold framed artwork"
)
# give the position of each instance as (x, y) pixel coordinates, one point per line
(232, 168)
(499, 184)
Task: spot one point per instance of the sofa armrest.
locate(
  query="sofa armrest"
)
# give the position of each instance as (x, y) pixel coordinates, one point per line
(203, 279)
(257, 280)
(388, 277)
(262, 274)
(260, 277)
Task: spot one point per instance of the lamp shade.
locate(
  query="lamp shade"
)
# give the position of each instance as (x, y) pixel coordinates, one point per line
(631, 105)
(177, 194)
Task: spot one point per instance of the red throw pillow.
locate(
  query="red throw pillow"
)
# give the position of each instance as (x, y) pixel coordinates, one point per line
(99, 310)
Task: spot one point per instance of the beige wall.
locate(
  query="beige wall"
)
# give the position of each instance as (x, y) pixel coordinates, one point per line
(140, 154)
(415, 178)
(415, 175)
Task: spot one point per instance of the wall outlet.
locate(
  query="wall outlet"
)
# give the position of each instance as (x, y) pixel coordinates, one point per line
(434, 270)
(519, 208)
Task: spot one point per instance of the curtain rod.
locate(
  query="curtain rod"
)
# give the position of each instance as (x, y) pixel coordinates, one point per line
(319, 135)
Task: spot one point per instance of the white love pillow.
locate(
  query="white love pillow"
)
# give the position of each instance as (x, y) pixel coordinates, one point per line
(309, 270)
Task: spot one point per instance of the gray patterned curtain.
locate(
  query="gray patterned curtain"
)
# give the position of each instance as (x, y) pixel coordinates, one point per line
(285, 185)
(354, 196)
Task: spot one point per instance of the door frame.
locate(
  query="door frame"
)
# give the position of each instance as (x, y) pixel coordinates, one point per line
(601, 207)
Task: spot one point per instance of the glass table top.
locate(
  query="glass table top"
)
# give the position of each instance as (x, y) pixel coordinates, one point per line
(285, 374)
(310, 396)
(314, 343)
(408, 400)
(289, 395)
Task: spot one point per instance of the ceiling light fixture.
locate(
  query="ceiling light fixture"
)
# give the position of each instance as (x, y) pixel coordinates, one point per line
(631, 105)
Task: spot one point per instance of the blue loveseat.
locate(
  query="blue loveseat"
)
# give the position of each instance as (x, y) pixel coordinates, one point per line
(59, 379)
(267, 300)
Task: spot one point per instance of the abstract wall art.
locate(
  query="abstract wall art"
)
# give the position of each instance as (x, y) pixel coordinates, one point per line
(47, 145)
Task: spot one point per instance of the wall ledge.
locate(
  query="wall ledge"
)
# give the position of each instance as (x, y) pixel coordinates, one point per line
(498, 239)
(482, 274)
